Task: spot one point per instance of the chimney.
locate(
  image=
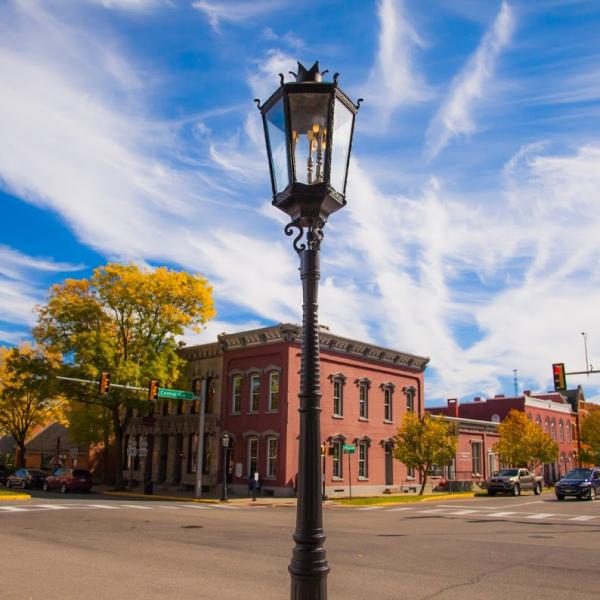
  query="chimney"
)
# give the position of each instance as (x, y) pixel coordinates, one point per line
(526, 392)
(477, 399)
(452, 407)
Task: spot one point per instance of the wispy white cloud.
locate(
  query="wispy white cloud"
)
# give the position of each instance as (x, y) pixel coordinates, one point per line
(455, 116)
(394, 80)
(234, 11)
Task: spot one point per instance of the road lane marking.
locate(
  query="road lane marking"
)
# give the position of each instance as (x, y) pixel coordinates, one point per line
(371, 508)
(505, 513)
(138, 506)
(399, 509)
(13, 509)
(463, 512)
(540, 516)
(196, 506)
(101, 506)
(432, 510)
(582, 518)
(52, 506)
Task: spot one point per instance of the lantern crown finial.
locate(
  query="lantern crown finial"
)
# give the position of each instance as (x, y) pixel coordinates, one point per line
(309, 75)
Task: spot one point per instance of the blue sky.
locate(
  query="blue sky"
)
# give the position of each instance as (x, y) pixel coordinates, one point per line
(472, 231)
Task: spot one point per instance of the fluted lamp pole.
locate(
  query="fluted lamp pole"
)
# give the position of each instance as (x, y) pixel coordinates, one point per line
(308, 127)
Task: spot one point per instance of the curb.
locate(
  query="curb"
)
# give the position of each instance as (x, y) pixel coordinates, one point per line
(15, 497)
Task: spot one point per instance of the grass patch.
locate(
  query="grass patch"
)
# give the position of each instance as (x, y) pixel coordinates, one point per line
(372, 501)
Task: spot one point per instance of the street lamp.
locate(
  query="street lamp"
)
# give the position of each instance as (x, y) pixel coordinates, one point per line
(308, 127)
(225, 443)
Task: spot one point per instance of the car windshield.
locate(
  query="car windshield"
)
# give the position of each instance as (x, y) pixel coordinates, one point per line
(81, 473)
(507, 472)
(579, 474)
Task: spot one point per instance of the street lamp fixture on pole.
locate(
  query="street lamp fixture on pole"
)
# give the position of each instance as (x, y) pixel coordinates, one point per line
(225, 444)
(308, 126)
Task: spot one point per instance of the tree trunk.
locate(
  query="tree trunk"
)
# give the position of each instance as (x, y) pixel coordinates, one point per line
(118, 448)
(20, 462)
(423, 481)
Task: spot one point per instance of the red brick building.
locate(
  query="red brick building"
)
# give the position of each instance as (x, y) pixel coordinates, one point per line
(552, 411)
(366, 392)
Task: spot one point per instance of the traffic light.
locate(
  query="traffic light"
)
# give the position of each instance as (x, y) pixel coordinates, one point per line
(104, 385)
(560, 380)
(153, 390)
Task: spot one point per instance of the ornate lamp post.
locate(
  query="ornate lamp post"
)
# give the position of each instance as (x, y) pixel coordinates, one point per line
(225, 444)
(308, 127)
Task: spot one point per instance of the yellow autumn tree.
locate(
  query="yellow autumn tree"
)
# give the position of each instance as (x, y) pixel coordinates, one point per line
(125, 320)
(523, 443)
(28, 392)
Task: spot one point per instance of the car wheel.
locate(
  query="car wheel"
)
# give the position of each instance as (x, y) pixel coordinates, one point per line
(63, 488)
(516, 491)
(560, 497)
(491, 493)
(591, 494)
(537, 489)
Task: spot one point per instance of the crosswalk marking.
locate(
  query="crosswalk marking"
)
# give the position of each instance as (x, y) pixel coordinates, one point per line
(102, 506)
(53, 506)
(399, 509)
(501, 514)
(138, 506)
(197, 506)
(463, 512)
(433, 510)
(225, 506)
(13, 509)
(582, 518)
(371, 508)
(539, 516)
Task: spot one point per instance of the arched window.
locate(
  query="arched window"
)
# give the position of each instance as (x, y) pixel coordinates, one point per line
(561, 431)
(568, 432)
(495, 418)
(547, 425)
(553, 429)
(538, 420)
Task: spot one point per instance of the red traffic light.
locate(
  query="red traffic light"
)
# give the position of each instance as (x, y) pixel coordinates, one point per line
(558, 373)
(104, 384)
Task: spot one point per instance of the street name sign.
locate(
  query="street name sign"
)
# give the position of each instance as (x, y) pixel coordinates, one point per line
(349, 448)
(175, 394)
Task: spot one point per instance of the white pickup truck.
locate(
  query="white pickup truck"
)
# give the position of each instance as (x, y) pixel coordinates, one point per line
(513, 481)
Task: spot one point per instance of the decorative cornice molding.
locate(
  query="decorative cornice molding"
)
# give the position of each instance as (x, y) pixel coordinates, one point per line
(363, 381)
(287, 332)
(387, 386)
(339, 376)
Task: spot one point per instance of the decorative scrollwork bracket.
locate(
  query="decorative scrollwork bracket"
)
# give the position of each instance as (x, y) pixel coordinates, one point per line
(312, 233)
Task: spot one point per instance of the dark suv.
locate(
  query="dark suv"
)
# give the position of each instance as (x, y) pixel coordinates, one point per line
(581, 483)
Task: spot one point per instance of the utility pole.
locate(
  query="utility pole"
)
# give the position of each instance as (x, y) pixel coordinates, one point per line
(587, 364)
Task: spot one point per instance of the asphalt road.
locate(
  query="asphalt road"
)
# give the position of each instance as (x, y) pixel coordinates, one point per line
(481, 548)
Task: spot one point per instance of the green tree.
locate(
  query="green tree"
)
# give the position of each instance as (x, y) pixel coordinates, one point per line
(423, 443)
(523, 443)
(28, 394)
(590, 438)
(124, 320)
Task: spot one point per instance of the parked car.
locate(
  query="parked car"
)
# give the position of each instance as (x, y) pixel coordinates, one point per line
(26, 478)
(4, 473)
(581, 483)
(68, 480)
(513, 481)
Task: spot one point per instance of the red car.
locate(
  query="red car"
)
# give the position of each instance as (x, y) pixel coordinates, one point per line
(68, 480)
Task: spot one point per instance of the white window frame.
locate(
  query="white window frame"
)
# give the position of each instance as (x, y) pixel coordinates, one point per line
(363, 460)
(272, 376)
(410, 399)
(388, 403)
(271, 466)
(252, 441)
(254, 377)
(236, 394)
(363, 400)
(338, 383)
(337, 460)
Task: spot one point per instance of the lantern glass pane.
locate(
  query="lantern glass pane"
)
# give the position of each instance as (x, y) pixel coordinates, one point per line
(309, 134)
(276, 131)
(342, 134)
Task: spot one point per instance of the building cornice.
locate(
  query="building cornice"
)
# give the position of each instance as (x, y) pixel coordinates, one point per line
(287, 332)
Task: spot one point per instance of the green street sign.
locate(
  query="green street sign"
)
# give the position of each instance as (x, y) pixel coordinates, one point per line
(175, 394)
(349, 448)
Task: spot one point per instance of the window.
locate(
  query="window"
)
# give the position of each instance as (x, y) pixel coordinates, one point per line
(495, 418)
(363, 460)
(236, 400)
(179, 407)
(272, 457)
(363, 402)
(491, 463)
(338, 397)
(573, 432)
(338, 466)
(252, 456)
(165, 409)
(435, 471)
(410, 400)
(273, 391)
(254, 393)
(538, 421)
(197, 389)
(192, 453)
(451, 470)
(547, 425)
(561, 431)
(553, 429)
(410, 472)
(568, 431)
(136, 460)
(476, 458)
(387, 403)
